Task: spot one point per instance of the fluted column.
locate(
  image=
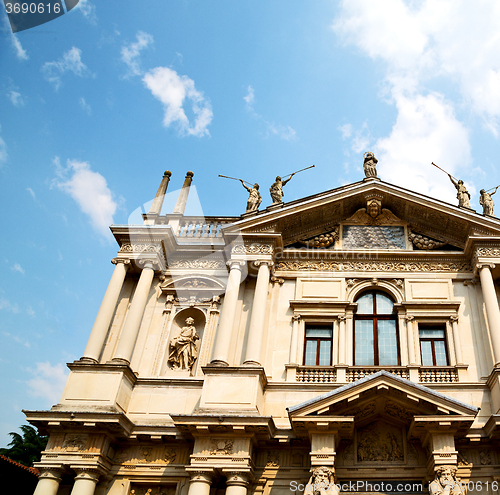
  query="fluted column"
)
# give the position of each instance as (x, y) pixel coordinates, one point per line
(200, 482)
(48, 482)
(226, 321)
(411, 340)
(160, 194)
(106, 311)
(294, 341)
(181, 203)
(492, 311)
(237, 484)
(133, 321)
(349, 332)
(85, 482)
(456, 339)
(342, 340)
(258, 317)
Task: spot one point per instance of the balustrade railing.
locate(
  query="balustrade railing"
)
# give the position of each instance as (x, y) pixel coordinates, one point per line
(356, 373)
(312, 374)
(438, 375)
(202, 227)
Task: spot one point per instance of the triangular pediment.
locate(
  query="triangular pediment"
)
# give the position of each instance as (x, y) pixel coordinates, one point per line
(385, 394)
(432, 221)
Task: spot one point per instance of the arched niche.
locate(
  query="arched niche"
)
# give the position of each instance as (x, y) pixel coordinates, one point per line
(178, 323)
(393, 288)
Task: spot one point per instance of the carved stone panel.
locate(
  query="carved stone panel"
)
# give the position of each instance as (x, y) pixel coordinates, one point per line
(373, 237)
(74, 442)
(380, 442)
(137, 489)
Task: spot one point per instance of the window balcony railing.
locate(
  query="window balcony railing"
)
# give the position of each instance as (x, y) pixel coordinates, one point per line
(330, 374)
(436, 374)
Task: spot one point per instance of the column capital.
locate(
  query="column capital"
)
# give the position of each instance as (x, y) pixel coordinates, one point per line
(259, 263)
(200, 476)
(51, 473)
(296, 317)
(125, 261)
(409, 318)
(342, 317)
(86, 473)
(237, 478)
(148, 263)
(479, 266)
(235, 264)
(277, 280)
(454, 318)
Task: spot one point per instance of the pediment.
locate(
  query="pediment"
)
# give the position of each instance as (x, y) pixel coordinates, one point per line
(434, 223)
(382, 395)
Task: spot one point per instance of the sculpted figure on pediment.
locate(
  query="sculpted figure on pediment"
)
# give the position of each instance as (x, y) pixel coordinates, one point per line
(380, 442)
(373, 214)
(486, 201)
(463, 195)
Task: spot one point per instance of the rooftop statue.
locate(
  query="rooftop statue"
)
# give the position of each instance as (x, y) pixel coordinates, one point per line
(276, 189)
(254, 199)
(463, 195)
(370, 165)
(487, 202)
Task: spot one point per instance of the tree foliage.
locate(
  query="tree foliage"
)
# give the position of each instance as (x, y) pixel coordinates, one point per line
(26, 448)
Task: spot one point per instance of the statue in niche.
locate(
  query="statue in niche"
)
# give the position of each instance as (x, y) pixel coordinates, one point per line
(445, 482)
(322, 482)
(276, 189)
(183, 351)
(254, 199)
(463, 195)
(487, 202)
(370, 165)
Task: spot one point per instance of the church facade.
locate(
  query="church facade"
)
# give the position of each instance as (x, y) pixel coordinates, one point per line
(347, 341)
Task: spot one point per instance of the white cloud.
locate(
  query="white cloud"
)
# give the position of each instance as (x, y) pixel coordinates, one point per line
(346, 131)
(173, 91)
(71, 61)
(16, 98)
(31, 192)
(17, 268)
(90, 190)
(20, 52)
(8, 306)
(425, 131)
(85, 106)
(88, 10)
(284, 132)
(130, 53)
(48, 381)
(3, 151)
(15, 338)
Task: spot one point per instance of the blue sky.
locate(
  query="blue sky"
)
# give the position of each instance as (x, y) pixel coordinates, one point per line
(96, 104)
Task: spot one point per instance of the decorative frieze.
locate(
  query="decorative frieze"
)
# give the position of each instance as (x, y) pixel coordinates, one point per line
(74, 442)
(373, 266)
(254, 248)
(221, 446)
(198, 264)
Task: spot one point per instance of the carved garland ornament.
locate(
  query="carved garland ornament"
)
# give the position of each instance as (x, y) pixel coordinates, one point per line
(252, 249)
(197, 264)
(373, 266)
(323, 240)
(423, 242)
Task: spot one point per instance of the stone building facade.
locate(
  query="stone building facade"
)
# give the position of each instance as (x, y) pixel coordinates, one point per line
(356, 330)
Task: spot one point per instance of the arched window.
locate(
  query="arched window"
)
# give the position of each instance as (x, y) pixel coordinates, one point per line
(376, 340)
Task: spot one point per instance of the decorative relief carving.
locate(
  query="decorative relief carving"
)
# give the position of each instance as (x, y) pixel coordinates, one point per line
(74, 443)
(322, 241)
(373, 237)
(398, 411)
(297, 459)
(252, 249)
(221, 446)
(485, 457)
(373, 266)
(348, 454)
(380, 442)
(273, 458)
(154, 490)
(492, 252)
(146, 455)
(463, 459)
(422, 242)
(365, 410)
(140, 248)
(169, 455)
(197, 264)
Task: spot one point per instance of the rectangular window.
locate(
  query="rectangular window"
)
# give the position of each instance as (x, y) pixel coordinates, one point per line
(318, 345)
(433, 345)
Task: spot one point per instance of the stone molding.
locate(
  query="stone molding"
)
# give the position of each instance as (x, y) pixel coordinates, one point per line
(253, 248)
(198, 264)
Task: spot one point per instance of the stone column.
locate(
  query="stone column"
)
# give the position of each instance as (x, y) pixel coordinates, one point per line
(492, 311)
(456, 339)
(412, 360)
(85, 482)
(294, 343)
(133, 320)
(342, 340)
(48, 482)
(199, 484)
(258, 317)
(349, 333)
(106, 311)
(160, 194)
(180, 205)
(237, 483)
(226, 321)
